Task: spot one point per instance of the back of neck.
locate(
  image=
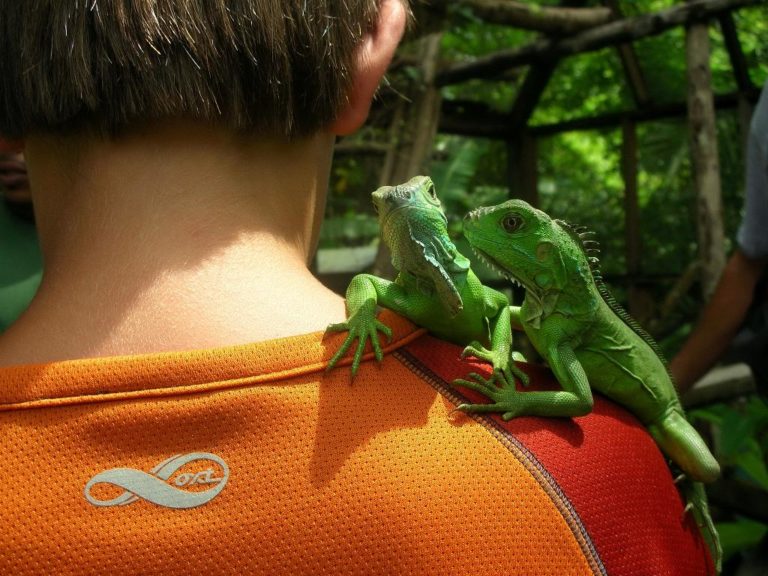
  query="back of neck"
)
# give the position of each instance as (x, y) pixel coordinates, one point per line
(176, 237)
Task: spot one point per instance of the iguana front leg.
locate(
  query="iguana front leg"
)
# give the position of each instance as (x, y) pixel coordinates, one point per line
(363, 295)
(574, 400)
(515, 314)
(500, 355)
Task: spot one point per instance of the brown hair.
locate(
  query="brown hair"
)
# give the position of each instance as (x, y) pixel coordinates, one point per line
(277, 66)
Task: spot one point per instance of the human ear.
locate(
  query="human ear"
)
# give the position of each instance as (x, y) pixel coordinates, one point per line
(373, 57)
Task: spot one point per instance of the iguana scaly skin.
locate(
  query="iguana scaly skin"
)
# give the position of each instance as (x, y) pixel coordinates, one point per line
(435, 286)
(588, 341)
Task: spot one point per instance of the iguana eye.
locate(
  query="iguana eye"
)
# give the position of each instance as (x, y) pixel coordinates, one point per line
(512, 223)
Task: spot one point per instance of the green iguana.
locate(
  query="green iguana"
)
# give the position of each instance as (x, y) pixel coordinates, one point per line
(435, 286)
(585, 337)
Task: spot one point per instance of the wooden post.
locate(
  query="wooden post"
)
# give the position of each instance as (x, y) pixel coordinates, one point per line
(522, 171)
(522, 168)
(633, 246)
(629, 61)
(705, 158)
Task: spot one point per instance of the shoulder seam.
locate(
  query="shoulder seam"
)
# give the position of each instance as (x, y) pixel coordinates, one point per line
(520, 452)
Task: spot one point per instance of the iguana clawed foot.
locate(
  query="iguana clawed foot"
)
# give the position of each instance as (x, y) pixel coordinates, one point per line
(500, 360)
(503, 395)
(362, 326)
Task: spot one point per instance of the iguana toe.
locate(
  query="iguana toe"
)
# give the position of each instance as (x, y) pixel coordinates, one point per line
(519, 374)
(507, 410)
(476, 350)
(476, 382)
(342, 349)
(507, 416)
(473, 408)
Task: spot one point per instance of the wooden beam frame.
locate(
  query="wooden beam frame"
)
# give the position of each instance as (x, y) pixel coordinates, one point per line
(629, 61)
(473, 119)
(616, 32)
(562, 20)
(735, 52)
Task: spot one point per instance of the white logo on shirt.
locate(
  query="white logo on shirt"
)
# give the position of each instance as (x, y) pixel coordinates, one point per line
(154, 486)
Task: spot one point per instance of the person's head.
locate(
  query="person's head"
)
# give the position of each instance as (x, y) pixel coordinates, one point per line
(284, 68)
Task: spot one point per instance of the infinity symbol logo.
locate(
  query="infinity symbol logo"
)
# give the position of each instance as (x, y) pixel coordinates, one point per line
(153, 486)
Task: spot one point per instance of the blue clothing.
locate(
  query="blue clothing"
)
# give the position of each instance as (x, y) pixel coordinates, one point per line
(753, 232)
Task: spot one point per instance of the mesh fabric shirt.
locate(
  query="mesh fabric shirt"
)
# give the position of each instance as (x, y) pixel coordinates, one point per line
(255, 460)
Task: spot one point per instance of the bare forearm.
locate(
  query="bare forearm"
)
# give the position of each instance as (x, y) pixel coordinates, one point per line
(719, 321)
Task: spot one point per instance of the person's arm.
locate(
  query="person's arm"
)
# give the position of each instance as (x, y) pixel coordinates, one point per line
(719, 321)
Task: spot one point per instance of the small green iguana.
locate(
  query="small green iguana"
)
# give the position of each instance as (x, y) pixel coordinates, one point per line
(585, 337)
(435, 286)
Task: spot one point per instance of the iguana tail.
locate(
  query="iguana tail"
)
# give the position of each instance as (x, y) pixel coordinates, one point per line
(696, 503)
(680, 441)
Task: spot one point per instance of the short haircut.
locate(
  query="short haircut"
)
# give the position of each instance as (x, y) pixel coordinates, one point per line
(280, 67)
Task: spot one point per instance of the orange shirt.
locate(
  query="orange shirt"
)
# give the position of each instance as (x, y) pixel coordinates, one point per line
(254, 460)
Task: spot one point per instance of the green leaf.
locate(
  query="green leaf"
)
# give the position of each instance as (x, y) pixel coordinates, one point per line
(752, 462)
(735, 433)
(713, 414)
(740, 535)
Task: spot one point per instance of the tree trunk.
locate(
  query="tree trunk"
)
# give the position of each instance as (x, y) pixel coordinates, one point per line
(705, 157)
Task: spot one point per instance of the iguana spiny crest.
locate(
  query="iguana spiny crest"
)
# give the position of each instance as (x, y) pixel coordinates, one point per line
(591, 248)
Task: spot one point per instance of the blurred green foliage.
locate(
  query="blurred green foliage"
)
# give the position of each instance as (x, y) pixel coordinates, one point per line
(742, 447)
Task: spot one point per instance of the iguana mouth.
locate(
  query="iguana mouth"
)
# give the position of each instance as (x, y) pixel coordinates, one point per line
(496, 266)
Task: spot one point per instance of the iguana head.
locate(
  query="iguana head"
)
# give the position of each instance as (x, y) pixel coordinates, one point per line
(415, 228)
(529, 247)
(417, 194)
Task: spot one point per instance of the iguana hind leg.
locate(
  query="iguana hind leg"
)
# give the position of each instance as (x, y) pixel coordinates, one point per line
(680, 441)
(696, 503)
